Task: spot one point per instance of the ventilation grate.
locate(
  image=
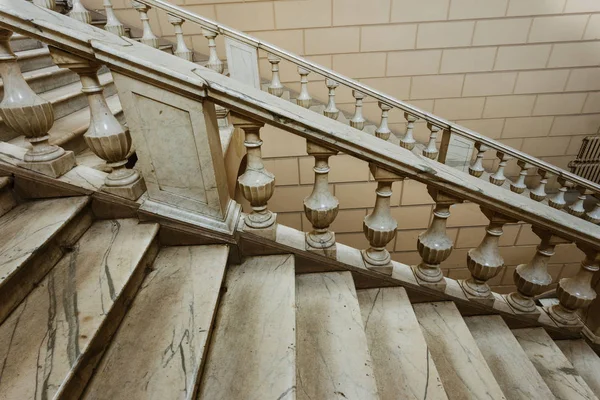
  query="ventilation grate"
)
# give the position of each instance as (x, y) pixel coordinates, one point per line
(587, 163)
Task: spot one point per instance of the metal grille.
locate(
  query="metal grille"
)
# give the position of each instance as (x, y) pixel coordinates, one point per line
(587, 163)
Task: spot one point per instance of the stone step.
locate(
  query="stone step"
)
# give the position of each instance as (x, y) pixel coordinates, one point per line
(159, 348)
(333, 354)
(20, 42)
(35, 235)
(253, 347)
(7, 198)
(99, 23)
(53, 339)
(515, 374)
(46, 79)
(556, 370)
(585, 361)
(462, 368)
(401, 360)
(30, 60)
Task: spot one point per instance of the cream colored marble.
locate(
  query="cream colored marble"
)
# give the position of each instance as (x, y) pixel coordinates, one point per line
(515, 374)
(159, 348)
(585, 361)
(553, 366)
(333, 355)
(7, 200)
(463, 369)
(43, 344)
(253, 346)
(401, 360)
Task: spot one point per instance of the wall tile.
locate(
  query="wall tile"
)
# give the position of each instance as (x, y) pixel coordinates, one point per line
(579, 124)
(593, 29)
(501, 31)
(285, 170)
(575, 55)
(444, 34)
(362, 195)
(415, 192)
(535, 7)
(492, 84)
(527, 127)
(453, 109)
(293, 220)
(541, 81)
(332, 40)
(584, 79)
(491, 128)
(291, 40)
(558, 28)
(508, 106)
(349, 221)
(556, 104)
(388, 37)
(543, 147)
(419, 10)
(468, 60)
(424, 62)
(302, 13)
(343, 168)
(437, 86)
(289, 198)
(412, 217)
(574, 144)
(398, 87)
(363, 65)
(236, 16)
(467, 9)
(522, 57)
(592, 104)
(359, 12)
(582, 6)
(279, 143)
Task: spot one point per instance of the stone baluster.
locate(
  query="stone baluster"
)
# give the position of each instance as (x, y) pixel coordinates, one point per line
(498, 178)
(476, 168)
(275, 87)
(29, 115)
(539, 193)
(594, 215)
(321, 207)
(49, 4)
(106, 137)
(532, 278)
(256, 183)
(558, 201)
(431, 150)
(485, 261)
(331, 110)
(113, 25)
(576, 292)
(383, 131)
(80, 13)
(181, 50)
(519, 185)
(358, 121)
(434, 245)
(576, 208)
(214, 62)
(380, 227)
(304, 99)
(148, 37)
(408, 141)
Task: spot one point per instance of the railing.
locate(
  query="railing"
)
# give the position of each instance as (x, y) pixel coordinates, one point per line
(169, 104)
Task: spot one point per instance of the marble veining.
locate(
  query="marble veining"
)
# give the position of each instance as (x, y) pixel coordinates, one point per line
(42, 341)
(584, 359)
(401, 359)
(553, 366)
(253, 348)
(158, 349)
(462, 368)
(333, 355)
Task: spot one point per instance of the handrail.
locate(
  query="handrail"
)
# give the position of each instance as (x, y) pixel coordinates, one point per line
(389, 100)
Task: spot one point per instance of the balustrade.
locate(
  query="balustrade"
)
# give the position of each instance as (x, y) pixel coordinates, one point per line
(431, 150)
(275, 87)
(539, 193)
(558, 201)
(498, 178)
(383, 131)
(113, 24)
(408, 141)
(594, 215)
(331, 110)
(358, 121)
(214, 62)
(148, 37)
(576, 208)
(476, 168)
(80, 13)
(304, 99)
(181, 49)
(49, 4)
(519, 185)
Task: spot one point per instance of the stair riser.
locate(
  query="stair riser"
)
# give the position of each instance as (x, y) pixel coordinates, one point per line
(49, 82)
(77, 101)
(24, 43)
(36, 62)
(8, 200)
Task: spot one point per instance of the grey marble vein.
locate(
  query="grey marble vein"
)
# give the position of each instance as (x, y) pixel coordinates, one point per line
(585, 361)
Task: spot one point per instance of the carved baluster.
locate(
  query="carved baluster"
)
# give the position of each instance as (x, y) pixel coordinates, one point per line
(331, 110)
(304, 99)
(80, 13)
(214, 62)
(148, 37)
(321, 207)
(408, 141)
(558, 200)
(29, 115)
(113, 25)
(106, 137)
(498, 177)
(380, 227)
(594, 215)
(485, 261)
(577, 207)
(256, 183)
(434, 245)
(383, 131)
(181, 50)
(576, 292)
(358, 121)
(532, 278)
(49, 4)
(539, 193)
(476, 168)
(519, 185)
(431, 150)
(275, 87)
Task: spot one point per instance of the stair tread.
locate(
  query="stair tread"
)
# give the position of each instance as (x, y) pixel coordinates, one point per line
(333, 355)
(252, 353)
(40, 73)
(515, 374)
(46, 336)
(7, 200)
(585, 361)
(26, 54)
(553, 366)
(160, 344)
(401, 360)
(72, 89)
(462, 368)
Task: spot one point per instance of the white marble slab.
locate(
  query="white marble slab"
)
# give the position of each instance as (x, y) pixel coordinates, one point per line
(553, 366)
(463, 369)
(515, 374)
(44, 341)
(585, 361)
(333, 355)
(158, 349)
(253, 347)
(401, 360)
